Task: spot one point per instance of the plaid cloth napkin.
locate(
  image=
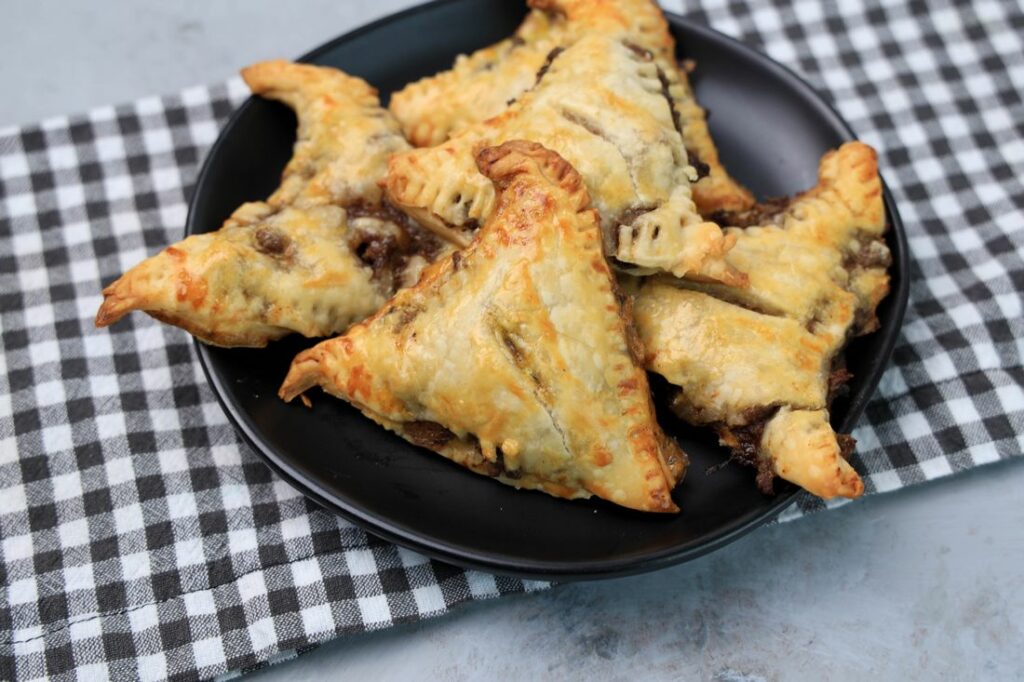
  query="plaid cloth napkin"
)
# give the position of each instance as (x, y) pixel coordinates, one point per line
(140, 538)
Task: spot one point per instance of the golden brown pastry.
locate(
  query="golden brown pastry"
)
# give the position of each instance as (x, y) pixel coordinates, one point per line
(322, 252)
(758, 363)
(481, 85)
(726, 359)
(618, 132)
(478, 86)
(513, 357)
(819, 254)
(803, 449)
(344, 137)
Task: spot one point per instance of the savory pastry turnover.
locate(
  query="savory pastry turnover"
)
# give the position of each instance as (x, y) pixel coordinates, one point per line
(481, 85)
(321, 253)
(760, 364)
(618, 133)
(514, 356)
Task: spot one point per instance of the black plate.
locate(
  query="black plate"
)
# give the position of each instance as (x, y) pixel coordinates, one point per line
(771, 129)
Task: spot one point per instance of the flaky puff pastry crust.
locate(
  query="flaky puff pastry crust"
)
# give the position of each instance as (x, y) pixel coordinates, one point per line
(290, 264)
(817, 258)
(478, 86)
(481, 85)
(617, 131)
(761, 374)
(804, 450)
(728, 360)
(265, 274)
(344, 137)
(513, 357)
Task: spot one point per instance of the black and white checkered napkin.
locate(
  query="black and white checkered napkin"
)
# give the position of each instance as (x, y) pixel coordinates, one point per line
(140, 538)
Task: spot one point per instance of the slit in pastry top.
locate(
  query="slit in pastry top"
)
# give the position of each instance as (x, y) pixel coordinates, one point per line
(513, 357)
(323, 251)
(759, 363)
(601, 106)
(481, 85)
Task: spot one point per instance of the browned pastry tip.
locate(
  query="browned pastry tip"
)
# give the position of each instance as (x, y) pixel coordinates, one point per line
(281, 75)
(506, 161)
(116, 304)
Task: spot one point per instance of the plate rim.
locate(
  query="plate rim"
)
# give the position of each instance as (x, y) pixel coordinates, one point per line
(491, 562)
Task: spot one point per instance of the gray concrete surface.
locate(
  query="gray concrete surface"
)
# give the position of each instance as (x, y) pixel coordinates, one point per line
(924, 584)
(62, 57)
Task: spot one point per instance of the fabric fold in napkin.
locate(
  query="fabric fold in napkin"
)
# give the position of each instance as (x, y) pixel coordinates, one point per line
(140, 537)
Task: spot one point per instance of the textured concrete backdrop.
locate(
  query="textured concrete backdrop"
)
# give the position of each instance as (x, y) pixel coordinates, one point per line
(924, 584)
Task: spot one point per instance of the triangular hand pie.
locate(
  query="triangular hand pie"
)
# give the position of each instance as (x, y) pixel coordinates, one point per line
(513, 357)
(481, 85)
(759, 363)
(319, 254)
(618, 132)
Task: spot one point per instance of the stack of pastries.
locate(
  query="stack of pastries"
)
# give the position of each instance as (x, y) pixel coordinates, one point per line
(500, 257)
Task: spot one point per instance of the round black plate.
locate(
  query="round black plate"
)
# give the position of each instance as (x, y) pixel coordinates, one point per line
(771, 129)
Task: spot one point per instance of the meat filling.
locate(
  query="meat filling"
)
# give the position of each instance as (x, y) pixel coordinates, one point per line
(381, 252)
(499, 467)
(427, 434)
(388, 251)
(873, 253)
(271, 241)
(764, 213)
(745, 444)
(837, 379)
(676, 120)
(846, 444)
(641, 52)
(703, 170)
(552, 56)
